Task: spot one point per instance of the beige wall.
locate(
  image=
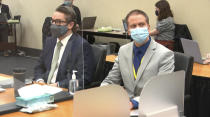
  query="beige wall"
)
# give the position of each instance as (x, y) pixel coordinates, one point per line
(194, 13)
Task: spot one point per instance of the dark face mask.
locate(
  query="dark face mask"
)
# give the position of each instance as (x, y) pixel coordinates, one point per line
(58, 30)
(156, 12)
(67, 3)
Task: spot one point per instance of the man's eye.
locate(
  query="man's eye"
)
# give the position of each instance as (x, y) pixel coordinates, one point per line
(133, 26)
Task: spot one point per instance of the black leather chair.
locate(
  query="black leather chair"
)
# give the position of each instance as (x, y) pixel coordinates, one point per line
(184, 62)
(100, 57)
(46, 30)
(181, 31)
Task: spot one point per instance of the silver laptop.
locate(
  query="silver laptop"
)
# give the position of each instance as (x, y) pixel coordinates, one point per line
(88, 22)
(125, 25)
(191, 48)
(163, 96)
(106, 101)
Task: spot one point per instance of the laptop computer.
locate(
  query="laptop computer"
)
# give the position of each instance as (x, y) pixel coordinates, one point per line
(106, 101)
(163, 96)
(191, 48)
(125, 25)
(88, 22)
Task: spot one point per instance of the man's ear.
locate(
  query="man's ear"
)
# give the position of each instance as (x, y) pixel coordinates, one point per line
(129, 32)
(148, 27)
(71, 25)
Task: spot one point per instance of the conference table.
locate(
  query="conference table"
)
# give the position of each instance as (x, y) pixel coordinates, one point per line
(198, 69)
(201, 90)
(64, 109)
(112, 34)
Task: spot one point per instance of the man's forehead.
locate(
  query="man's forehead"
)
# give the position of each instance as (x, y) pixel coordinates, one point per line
(57, 14)
(68, 0)
(137, 17)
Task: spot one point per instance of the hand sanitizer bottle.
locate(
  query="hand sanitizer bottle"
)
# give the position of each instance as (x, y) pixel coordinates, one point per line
(73, 84)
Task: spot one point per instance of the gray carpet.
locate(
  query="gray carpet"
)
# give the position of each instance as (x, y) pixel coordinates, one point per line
(7, 64)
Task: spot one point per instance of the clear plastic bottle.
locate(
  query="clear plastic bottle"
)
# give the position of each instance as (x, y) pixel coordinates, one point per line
(19, 79)
(73, 84)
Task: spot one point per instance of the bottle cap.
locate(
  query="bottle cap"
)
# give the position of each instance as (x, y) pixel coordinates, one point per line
(19, 70)
(74, 75)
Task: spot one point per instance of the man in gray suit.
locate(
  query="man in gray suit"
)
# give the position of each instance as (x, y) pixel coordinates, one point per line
(139, 60)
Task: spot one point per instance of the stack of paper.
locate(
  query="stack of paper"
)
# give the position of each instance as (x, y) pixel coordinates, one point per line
(37, 90)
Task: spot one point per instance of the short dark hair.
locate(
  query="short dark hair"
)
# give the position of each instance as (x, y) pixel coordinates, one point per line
(165, 10)
(70, 15)
(137, 12)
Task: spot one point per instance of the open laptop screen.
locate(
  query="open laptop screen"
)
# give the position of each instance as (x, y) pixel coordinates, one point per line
(191, 48)
(88, 22)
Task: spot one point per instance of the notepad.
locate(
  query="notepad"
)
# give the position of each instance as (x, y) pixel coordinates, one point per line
(6, 82)
(2, 78)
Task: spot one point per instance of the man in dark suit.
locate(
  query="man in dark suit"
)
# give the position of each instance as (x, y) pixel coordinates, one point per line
(64, 52)
(4, 12)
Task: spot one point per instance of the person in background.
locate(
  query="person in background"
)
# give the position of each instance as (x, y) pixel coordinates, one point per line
(139, 60)
(165, 28)
(64, 52)
(4, 28)
(76, 9)
(207, 60)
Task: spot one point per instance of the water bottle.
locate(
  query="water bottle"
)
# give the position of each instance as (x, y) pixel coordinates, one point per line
(73, 84)
(19, 79)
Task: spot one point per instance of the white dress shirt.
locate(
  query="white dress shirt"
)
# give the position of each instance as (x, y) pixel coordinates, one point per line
(64, 42)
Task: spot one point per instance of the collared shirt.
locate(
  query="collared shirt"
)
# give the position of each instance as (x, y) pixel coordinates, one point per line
(139, 54)
(64, 42)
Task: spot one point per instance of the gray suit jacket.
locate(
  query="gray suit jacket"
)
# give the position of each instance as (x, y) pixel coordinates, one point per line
(157, 60)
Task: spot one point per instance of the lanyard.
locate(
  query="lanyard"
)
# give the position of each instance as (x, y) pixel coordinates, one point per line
(134, 71)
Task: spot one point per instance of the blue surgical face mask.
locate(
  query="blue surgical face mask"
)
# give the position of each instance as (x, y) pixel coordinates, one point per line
(67, 3)
(139, 35)
(58, 30)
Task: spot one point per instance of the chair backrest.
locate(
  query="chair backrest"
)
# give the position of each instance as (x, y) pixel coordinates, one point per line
(181, 31)
(100, 57)
(184, 62)
(46, 26)
(46, 30)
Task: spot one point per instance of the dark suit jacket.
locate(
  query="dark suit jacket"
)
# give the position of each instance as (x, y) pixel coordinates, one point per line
(5, 9)
(78, 55)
